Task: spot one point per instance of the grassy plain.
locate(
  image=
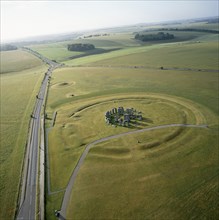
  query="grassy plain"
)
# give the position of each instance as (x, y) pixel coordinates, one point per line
(70, 134)
(17, 60)
(200, 87)
(18, 91)
(184, 55)
(174, 180)
(54, 51)
(164, 174)
(122, 38)
(58, 51)
(88, 124)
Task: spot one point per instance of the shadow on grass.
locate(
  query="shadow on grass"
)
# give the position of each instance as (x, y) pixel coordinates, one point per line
(60, 217)
(92, 52)
(148, 120)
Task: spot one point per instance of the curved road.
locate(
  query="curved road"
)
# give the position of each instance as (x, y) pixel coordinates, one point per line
(89, 146)
(27, 208)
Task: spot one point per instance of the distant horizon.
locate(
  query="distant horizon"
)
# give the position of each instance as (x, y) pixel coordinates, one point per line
(35, 37)
(23, 20)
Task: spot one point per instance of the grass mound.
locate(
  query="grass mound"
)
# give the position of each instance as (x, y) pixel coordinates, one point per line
(62, 84)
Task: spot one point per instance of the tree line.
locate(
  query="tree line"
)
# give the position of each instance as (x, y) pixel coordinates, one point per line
(6, 47)
(190, 29)
(80, 47)
(154, 37)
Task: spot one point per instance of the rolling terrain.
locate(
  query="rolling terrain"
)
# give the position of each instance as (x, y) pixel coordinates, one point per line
(167, 171)
(164, 166)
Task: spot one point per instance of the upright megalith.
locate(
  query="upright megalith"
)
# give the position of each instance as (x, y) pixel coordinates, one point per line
(122, 117)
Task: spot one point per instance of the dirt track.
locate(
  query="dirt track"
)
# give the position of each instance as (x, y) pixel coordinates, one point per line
(70, 185)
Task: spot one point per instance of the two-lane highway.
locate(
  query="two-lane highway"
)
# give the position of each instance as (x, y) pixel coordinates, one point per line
(27, 209)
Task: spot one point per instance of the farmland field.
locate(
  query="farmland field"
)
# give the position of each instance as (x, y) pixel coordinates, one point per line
(18, 90)
(177, 165)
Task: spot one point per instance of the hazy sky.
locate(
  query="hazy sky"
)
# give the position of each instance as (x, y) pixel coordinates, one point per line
(31, 18)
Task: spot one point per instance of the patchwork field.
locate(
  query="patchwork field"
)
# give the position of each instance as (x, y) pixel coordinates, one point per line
(18, 92)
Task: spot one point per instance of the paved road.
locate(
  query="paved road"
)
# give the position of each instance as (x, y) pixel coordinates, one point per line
(27, 209)
(70, 185)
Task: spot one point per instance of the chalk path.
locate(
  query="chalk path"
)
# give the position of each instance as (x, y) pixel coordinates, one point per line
(71, 182)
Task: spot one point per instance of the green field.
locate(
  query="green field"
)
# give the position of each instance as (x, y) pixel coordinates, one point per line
(82, 122)
(94, 81)
(185, 55)
(18, 60)
(59, 52)
(72, 89)
(177, 179)
(18, 92)
(168, 173)
(123, 39)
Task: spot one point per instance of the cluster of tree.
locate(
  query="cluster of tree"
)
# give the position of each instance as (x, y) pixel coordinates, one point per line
(190, 29)
(154, 37)
(80, 47)
(213, 21)
(6, 47)
(96, 35)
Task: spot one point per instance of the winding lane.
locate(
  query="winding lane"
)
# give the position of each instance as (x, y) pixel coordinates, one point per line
(71, 182)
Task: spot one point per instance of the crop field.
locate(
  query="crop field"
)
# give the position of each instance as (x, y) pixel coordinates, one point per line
(18, 91)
